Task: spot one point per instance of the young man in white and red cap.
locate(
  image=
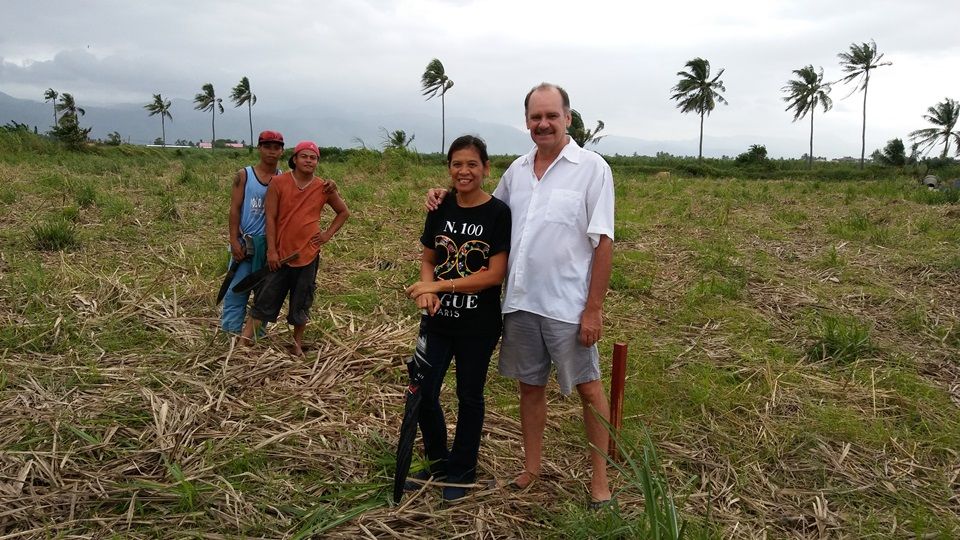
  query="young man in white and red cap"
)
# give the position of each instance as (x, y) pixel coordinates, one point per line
(247, 224)
(294, 203)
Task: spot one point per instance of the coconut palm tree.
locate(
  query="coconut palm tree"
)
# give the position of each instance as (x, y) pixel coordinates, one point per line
(396, 139)
(804, 94)
(697, 92)
(944, 115)
(68, 106)
(51, 95)
(242, 94)
(161, 107)
(68, 128)
(435, 81)
(858, 63)
(579, 132)
(207, 100)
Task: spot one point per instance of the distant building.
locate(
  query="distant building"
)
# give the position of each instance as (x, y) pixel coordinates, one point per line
(203, 144)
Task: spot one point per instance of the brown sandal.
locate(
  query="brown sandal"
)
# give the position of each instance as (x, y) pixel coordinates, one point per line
(514, 485)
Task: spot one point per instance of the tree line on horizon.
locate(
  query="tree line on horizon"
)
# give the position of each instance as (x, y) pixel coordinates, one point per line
(697, 91)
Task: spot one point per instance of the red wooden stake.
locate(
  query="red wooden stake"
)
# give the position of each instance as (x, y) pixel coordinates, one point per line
(618, 378)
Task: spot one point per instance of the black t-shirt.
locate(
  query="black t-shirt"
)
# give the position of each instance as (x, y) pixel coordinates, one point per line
(464, 240)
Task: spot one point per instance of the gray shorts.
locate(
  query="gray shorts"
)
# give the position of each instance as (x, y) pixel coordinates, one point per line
(532, 342)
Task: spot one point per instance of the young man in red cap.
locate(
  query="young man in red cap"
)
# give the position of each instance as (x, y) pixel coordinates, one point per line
(294, 203)
(247, 224)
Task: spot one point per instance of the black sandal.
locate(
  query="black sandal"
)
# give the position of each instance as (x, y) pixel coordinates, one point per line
(595, 506)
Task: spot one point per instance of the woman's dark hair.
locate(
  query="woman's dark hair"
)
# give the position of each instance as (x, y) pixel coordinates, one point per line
(467, 141)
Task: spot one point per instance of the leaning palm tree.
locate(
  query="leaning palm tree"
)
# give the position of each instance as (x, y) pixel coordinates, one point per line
(51, 95)
(161, 107)
(697, 92)
(579, 132)
(68, 108)
(242, 94)
(207, 100)
(435, 81)
(804, 94)
(944, 115)
(857, 63)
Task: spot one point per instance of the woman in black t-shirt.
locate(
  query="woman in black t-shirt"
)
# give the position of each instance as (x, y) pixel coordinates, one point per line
(464, 261)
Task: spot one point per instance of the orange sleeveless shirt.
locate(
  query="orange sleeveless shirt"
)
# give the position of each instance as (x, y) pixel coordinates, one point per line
(298, 217)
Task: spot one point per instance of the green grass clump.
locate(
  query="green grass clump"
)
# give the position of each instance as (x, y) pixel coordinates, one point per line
(188, 493)
(831, 258)
(936, 196)
(642, 470)
(116, 206)
(187, 176)
(52, 181)
(71, 213)
(8, 195)
(85, 195)
(168, 208)
(629, 284)
(843, 339)
(715, 287)
(54, 235)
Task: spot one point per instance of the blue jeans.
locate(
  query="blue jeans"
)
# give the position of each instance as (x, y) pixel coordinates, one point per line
(472, 354)
(235, 304)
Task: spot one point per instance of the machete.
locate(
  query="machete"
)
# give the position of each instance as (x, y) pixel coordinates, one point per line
(248, 252)
(255, 278)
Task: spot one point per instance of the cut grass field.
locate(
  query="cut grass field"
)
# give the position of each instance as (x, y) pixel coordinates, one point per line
(794, 355)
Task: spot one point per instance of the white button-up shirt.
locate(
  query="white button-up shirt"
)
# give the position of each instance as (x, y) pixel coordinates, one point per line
(557, 223)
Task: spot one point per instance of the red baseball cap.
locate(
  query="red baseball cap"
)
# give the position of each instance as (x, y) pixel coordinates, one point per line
(270, 136)
(306, 145)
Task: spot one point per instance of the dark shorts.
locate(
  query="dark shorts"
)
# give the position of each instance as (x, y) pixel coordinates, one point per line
(300, 282)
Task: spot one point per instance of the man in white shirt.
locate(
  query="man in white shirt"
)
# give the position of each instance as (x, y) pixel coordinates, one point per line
(561, 199)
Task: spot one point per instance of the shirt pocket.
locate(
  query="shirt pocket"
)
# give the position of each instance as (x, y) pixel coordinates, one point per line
(564, 206)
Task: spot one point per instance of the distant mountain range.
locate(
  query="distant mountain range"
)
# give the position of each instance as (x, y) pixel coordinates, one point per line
(330, 127)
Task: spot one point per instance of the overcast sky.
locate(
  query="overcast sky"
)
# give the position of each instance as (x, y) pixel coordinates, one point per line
(618, 60)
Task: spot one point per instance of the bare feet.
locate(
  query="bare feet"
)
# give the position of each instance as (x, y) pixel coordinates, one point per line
(599, 490)
(524, 480)
(295, 349)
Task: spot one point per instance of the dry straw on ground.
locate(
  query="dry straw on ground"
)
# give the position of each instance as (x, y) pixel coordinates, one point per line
(188, 435)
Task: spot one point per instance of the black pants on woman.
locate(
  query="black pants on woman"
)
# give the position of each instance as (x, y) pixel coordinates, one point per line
(472, 354)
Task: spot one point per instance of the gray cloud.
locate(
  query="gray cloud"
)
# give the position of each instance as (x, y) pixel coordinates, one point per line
(617, 59)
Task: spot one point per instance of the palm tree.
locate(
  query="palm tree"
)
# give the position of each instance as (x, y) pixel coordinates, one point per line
(579, 132)
(434, 81)
(697, 92)
(69, 108)
(242, 94)
(857, 64)
(207, 100)
(51, 95)
(804, 94)
(944, 115)
(161, 107)
(396, 139)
